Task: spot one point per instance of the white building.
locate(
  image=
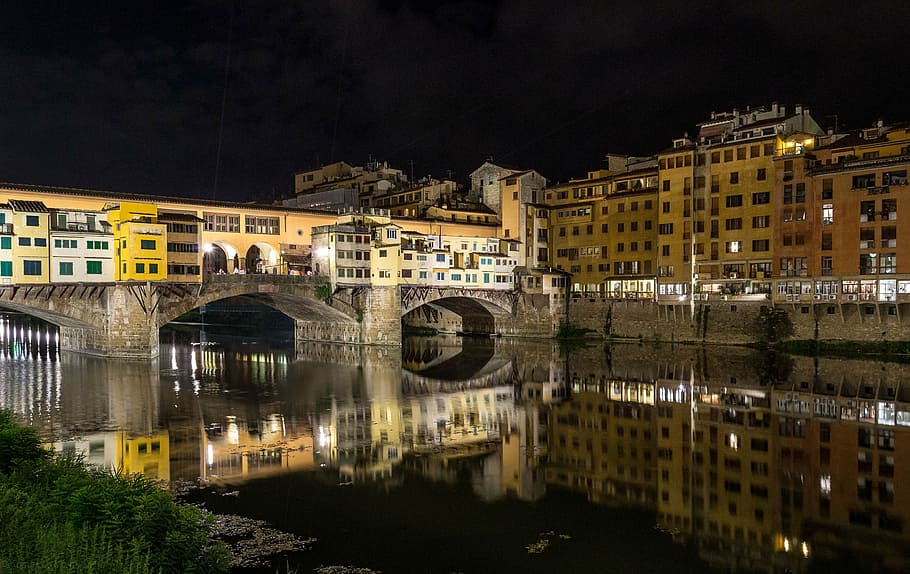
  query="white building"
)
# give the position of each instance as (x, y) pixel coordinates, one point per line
(81, 247)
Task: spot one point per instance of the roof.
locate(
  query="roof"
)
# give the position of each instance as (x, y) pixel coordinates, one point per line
(763, 123)
(167, 216)
(114, 196)
(297, 259)
(29, 206)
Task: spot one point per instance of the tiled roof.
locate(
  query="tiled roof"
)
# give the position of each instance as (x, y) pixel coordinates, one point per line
(28, 206)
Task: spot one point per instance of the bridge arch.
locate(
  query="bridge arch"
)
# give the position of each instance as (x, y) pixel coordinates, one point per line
(480, 311)
(296, 300)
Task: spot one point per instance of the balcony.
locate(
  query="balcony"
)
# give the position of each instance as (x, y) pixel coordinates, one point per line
(6, 228)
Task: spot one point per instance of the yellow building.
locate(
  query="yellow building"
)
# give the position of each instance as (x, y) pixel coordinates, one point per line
(602, 229)
(141, 241)
(31, 229)
(184, 237)
(675, 205)
(734, 212)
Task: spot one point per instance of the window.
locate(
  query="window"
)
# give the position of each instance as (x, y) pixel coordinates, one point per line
(800, 193)
(759, 245)
(665, 206)
(140, 268)
(761, 175)
(665, 229)
(734, 200)
(31, 220)
(40, 242)
(733, 247)
(391, 233)
(732, 224)
(895, 177)
(153, 268)
(666, 184)
(147, 244)
(25, 241)
(734, 177)
(761, 198)
(6, 268)
(864, 180)
(93, 267)
(262, 225)
(827, 241)
(66, 268)
(31, 267)
(827, 213)
(827, 188)
(761, 221)
(728, 155)
(6, 242)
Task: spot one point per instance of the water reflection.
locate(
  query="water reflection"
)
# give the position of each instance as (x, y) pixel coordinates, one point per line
(759, 462)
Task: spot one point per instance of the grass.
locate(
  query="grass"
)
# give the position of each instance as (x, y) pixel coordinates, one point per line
(56, 515)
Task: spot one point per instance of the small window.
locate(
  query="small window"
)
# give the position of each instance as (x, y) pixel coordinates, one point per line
(153, 268)
(66, 268)
(93, 267)
(31, 220)
(147, 244)
(140, 268)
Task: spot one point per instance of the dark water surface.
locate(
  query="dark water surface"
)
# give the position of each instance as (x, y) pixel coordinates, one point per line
(477, 455)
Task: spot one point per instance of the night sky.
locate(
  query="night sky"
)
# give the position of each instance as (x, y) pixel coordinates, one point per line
(139, 96)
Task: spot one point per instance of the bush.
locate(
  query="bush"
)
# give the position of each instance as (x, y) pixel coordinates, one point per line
(58, 514)
(18, 444)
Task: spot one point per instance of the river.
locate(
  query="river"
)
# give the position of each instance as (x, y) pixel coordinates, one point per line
(498, 455)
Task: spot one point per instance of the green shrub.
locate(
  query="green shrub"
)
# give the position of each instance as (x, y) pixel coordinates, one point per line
(18, 444)
(60, 517)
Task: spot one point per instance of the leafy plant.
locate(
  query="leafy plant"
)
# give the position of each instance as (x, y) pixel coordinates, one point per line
(324, 293)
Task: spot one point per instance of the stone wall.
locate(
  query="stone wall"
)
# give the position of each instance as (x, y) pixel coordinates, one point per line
(381, 319)
(741, 322)
(533, 315)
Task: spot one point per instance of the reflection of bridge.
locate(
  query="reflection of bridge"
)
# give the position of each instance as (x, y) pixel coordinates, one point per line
(122, 319)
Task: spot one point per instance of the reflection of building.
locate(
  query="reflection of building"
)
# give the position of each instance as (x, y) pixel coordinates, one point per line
(757, 479)
(602, 441)
(122, 452)
(237, 448)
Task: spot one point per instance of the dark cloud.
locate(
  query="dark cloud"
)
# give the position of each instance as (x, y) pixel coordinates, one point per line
(131, 98)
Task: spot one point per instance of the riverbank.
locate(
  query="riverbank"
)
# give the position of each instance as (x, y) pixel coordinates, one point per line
(56, 515)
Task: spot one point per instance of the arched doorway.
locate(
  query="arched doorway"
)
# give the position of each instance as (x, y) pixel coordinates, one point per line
(254, 262)
(214, 260)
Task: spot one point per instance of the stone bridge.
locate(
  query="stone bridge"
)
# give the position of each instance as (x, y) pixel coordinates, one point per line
(481, 311)
(123, 319)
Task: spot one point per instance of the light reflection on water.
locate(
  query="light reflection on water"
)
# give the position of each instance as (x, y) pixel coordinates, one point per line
(755, 461)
